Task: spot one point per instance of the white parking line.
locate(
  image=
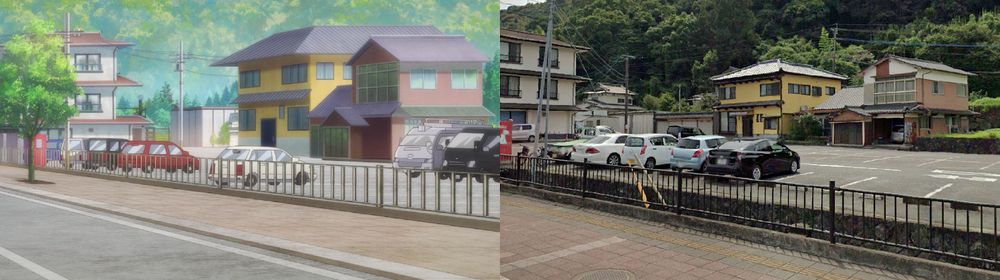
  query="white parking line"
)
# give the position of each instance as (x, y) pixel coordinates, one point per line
(30, 265)
(937, 190)
(881, 158)
(858, 181)
(793, 176)
(956, 177)
(852, 167)
(988, 166)
(933, 161)
(966, 173)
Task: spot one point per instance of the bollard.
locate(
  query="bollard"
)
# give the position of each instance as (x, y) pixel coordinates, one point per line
(833, 212)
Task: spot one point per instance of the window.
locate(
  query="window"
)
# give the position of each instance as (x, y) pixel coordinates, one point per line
(249, 79)
(157, 149)
(175, 151)
(347, 72)
(894, 91)
(553, 89)
(621, 100)
(510, 52)
(88, 62)
(464, 79)
(98, 146)
(265, 155)
(804, 89)
(925, 122)
(293, 74)
(952, 122)
(89, 103)
(510, 86)
(938, 88)
(378, 83)
(324, 70)
(518, 117)
(282, 156)
(725, 93)
(132, 150)
(793, 88)
(553, 57)
(248, 120)
(770, 89)
(297, 118)
(962, 90)
(831, 90)
(771, 123)
(423, 79)
(817, 91)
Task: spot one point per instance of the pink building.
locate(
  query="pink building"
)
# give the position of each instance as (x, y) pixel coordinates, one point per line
(400, 82)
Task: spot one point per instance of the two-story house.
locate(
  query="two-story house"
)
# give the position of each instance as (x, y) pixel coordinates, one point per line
(901, 99)
(604, 101)
(521, 59)
(400, 82)
(287, 74)
(760, 100)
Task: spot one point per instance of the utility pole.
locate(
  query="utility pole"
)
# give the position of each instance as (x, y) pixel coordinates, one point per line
(628, 97)
(66, 129)
(546, 76)
(180, 89)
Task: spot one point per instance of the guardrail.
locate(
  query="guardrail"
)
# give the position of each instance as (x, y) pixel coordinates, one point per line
(958, 232)
(462, 193)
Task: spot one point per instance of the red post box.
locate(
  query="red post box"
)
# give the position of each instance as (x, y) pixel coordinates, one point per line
(39, 146)
(506, 130)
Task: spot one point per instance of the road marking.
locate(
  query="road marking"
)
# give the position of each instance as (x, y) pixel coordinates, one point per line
(881, 158)
(562, 253)
(956, 177)
(852, 167)
(933, 161)
(966, 173)
(30, 265)
(988, 166)
(261, 257)
(793, 176)
(858, 181)
(937, 190)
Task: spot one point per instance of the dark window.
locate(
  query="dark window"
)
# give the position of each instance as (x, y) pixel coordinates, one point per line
(510, 86)
(518, 117)
(249, 79)
(378, 82)
(88, 62)
(510, 52)
(732, 124)
(248, 120)
(296, 73)
(771, 123)
(621, 139)
(726, 93)
(831, 90)
(553, 56)
(770, 89)
(297, 119)
(553, 89)
(324, 70)
(817, 91)
(89, 103)
(793, 88)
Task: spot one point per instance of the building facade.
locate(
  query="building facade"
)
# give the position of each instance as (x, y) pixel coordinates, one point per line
(521, 60)
(760, 100)
(206, 126)
(603, 101)
(286, 75)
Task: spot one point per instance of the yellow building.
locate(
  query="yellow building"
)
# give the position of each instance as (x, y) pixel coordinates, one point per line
(284, 76)
(760, 100)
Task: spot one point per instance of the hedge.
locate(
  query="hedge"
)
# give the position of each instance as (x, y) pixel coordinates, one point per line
(959, 145)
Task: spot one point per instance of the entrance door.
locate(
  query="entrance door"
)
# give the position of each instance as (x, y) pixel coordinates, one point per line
(335, 142)
(747, 126)
(268, 133)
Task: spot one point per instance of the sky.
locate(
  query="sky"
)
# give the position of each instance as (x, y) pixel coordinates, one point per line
(507, 3)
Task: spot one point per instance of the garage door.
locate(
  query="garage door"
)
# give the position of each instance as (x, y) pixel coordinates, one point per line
(847, 133)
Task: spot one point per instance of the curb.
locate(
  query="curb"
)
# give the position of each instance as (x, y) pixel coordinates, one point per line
(857, 255)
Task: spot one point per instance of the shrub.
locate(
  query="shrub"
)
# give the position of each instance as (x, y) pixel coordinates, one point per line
(804, 127)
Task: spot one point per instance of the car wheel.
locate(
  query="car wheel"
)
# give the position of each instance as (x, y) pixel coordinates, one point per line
(795, 167)
(703, 167)
(250, 180)
(148, 168)
(614, 159)
(650, 163)
(531, 138)
(415, 174)
(756, 172)
(301, 178)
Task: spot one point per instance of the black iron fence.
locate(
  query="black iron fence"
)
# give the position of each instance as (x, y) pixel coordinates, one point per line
(953, 231)
(462, 193)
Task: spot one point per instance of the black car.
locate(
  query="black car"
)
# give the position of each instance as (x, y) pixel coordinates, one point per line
(475, 150)
(752, 159)
(683, 131)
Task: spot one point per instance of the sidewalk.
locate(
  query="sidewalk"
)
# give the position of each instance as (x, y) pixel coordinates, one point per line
(400, 247)
(543, 240)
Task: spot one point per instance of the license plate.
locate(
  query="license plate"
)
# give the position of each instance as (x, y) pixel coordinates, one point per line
(631, 162)
(720, 161)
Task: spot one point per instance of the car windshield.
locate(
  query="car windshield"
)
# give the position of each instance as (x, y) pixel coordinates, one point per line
(737, 145)
(133, 150)
(416, 140)
(688, 144)
(634, 142)
(465, 140)
(234, 154)
(597, 140)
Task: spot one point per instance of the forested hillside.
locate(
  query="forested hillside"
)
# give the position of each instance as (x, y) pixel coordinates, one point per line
(680, 43)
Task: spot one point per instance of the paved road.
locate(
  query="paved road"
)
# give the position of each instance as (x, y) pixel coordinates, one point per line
(41, 239)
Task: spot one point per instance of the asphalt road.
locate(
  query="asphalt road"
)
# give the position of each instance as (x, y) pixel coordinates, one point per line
(42, 239)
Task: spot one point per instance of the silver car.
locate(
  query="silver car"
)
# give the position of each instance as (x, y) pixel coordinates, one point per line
(691, 152)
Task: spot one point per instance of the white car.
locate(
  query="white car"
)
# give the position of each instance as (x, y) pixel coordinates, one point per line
(898, 133)
(604, 148)
(649, 150)
(523, 132)
(252, 165)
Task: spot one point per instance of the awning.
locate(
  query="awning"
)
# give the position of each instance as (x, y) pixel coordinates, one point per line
(446, 111)
(274, 96)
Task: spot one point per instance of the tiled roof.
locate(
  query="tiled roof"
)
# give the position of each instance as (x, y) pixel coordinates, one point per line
(340, 102)
(776, 66)
(750, 104)
(927, 64)
(846, 97)
(274, 96)
(130, 119)
(426, 48)
(446, 111)
(524, 36)
(120, 82)
(612, 89)
(889, 108)
(91, 39)
(319, 40)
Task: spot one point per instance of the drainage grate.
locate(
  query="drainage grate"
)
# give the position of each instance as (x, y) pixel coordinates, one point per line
(606, 274)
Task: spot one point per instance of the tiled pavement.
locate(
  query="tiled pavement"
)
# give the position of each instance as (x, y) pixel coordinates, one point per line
(402, 244)
(543, 240)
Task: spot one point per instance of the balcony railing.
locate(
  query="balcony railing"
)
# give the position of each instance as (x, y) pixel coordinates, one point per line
(554, 64)
(513, 93)
(895, 97)
(89, 107)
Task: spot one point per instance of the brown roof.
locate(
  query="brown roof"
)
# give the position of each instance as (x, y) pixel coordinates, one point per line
(91, 39)
(118, 120)
(524, 36)
(121, 82)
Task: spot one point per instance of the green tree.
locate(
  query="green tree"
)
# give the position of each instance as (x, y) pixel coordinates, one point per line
(36, 81)
(223, 138)
(124, 106)
(491, 87)
(159, 107)
(804, 127)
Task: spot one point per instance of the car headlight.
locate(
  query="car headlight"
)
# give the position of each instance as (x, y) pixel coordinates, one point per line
(472, 164)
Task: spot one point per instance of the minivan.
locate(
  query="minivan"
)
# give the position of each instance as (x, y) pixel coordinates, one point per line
(423, 148)
(523, 132)
(474, 149)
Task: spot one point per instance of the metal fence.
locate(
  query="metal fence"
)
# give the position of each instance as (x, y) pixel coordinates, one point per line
(953, 231)
(471, 194)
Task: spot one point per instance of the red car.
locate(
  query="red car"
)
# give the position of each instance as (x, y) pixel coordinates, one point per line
(149, 155)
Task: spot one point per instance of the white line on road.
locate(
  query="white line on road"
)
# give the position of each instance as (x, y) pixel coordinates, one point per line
(881, 158)
(956, 177)
(852, 167)
(988, 166)
(561, 253)
(30, 265)
(793, 176)
(933, 161)
(966, 173)
(937, 190)
(266, 258)
(858, 181)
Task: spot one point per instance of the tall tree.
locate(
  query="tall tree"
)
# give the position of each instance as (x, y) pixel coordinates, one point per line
(491, 87)
(36, 81)
(159, 107)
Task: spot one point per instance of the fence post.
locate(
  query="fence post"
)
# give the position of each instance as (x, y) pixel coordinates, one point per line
(833, 212)
(680, 190)
(379, 190)
(583, 185)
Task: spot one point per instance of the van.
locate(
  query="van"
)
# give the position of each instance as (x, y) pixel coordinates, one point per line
(523, 132)
(423, 148)
(474, 149)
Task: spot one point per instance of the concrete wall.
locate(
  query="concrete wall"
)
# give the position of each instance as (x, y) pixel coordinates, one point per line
(200, 125)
